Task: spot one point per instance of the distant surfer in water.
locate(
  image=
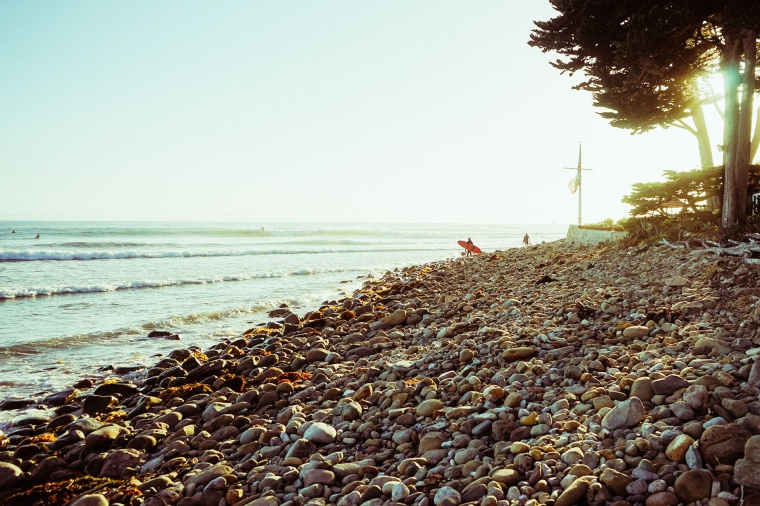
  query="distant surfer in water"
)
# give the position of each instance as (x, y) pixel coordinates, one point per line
(13, 231)
(526, 240)
(38, 236)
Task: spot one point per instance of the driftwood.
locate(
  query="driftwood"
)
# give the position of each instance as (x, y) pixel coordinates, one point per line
(748, 250)
(676, 245)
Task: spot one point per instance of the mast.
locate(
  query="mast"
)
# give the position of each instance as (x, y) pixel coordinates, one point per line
(575, 183)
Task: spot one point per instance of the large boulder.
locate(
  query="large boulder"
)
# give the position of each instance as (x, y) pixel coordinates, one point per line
(723, 444)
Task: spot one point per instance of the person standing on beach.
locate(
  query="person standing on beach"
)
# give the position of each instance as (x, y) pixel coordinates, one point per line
(469, 247)
(526, 240)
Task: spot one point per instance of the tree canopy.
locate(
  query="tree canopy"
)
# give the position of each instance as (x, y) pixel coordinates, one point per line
(628, 57)
(690, 188)
(641, 61)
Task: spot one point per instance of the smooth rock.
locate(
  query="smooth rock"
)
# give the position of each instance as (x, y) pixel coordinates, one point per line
(723, 444)
(447, 496)
(118, 460)
(615, 480)
(746, 473)
(90, 500)
(642, 388)
(429, 407)
(662, 499)
(506, 477)
(102, 438)
(676, 450)
(320, 433)
(669, 385)
(693, 485)
(573, 493)
(518, 353)
(636, 331)
(627, 413)
(10, 474)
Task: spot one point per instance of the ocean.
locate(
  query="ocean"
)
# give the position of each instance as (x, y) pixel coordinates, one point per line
(80, 300)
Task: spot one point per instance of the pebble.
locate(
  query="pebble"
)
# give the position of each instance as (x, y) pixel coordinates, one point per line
(626, 414)
(10, 474)
(693, 485)
(461, 381)
(573, 493)
(320, 433)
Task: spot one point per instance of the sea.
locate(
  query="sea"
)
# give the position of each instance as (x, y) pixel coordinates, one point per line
(78, 299)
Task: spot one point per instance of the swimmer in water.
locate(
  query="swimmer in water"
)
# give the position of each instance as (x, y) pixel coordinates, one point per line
(38, 236)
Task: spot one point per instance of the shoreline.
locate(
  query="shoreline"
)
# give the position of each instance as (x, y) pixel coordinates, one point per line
(552, 373)
(190, 280)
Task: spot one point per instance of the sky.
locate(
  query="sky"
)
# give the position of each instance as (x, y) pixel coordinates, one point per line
(432, 111)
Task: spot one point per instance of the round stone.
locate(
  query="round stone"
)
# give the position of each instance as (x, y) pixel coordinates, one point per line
(662, 499)
(320, 433)
(428, 407)
(90, 500)
(447, 496)
(693, 485)
(9, 474)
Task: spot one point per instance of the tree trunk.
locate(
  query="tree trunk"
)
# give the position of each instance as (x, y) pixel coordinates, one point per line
(744, 134)
(703, 136)
(730, 67)
(756, 137)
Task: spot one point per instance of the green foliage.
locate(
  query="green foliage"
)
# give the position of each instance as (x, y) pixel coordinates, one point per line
(651, 229)
(653, 220)
(640, 59)
(690, 188)
(606, 224)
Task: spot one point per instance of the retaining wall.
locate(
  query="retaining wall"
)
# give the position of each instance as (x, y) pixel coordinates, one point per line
(588, 236)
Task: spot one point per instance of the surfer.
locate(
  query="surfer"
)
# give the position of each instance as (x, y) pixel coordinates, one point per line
(469, 247)
(13, 231)
(526, 240)
(38, 236)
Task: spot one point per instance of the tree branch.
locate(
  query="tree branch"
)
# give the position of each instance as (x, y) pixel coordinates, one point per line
(720, 111)
(682, 124)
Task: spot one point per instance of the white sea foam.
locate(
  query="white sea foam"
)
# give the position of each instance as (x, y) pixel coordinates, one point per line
(207, 282)
(72, 255)
(43, 291)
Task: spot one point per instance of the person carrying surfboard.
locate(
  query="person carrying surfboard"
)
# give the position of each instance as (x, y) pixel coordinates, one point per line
(469, 247)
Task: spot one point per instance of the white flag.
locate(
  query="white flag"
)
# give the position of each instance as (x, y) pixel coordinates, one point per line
(574, 183)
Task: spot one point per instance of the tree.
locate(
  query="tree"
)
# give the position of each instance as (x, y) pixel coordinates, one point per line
(621, 53)
(642, 61)
(691, 188)
(739, 25)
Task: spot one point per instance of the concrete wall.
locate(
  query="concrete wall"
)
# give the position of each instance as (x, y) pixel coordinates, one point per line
(587, 236)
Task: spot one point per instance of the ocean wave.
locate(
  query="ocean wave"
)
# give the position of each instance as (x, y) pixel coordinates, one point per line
(44, 291)
(177, 324)
(227, 231)
(36, 255)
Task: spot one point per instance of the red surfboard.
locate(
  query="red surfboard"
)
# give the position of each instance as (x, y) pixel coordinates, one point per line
(471, 247)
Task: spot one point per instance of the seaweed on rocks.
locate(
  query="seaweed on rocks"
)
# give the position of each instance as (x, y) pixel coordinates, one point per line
(185, 391)
(450, 383)
(60, 492)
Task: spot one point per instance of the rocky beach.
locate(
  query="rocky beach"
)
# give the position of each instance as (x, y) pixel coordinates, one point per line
(552, 374)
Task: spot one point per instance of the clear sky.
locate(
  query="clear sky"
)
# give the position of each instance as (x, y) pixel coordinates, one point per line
(262, 111)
